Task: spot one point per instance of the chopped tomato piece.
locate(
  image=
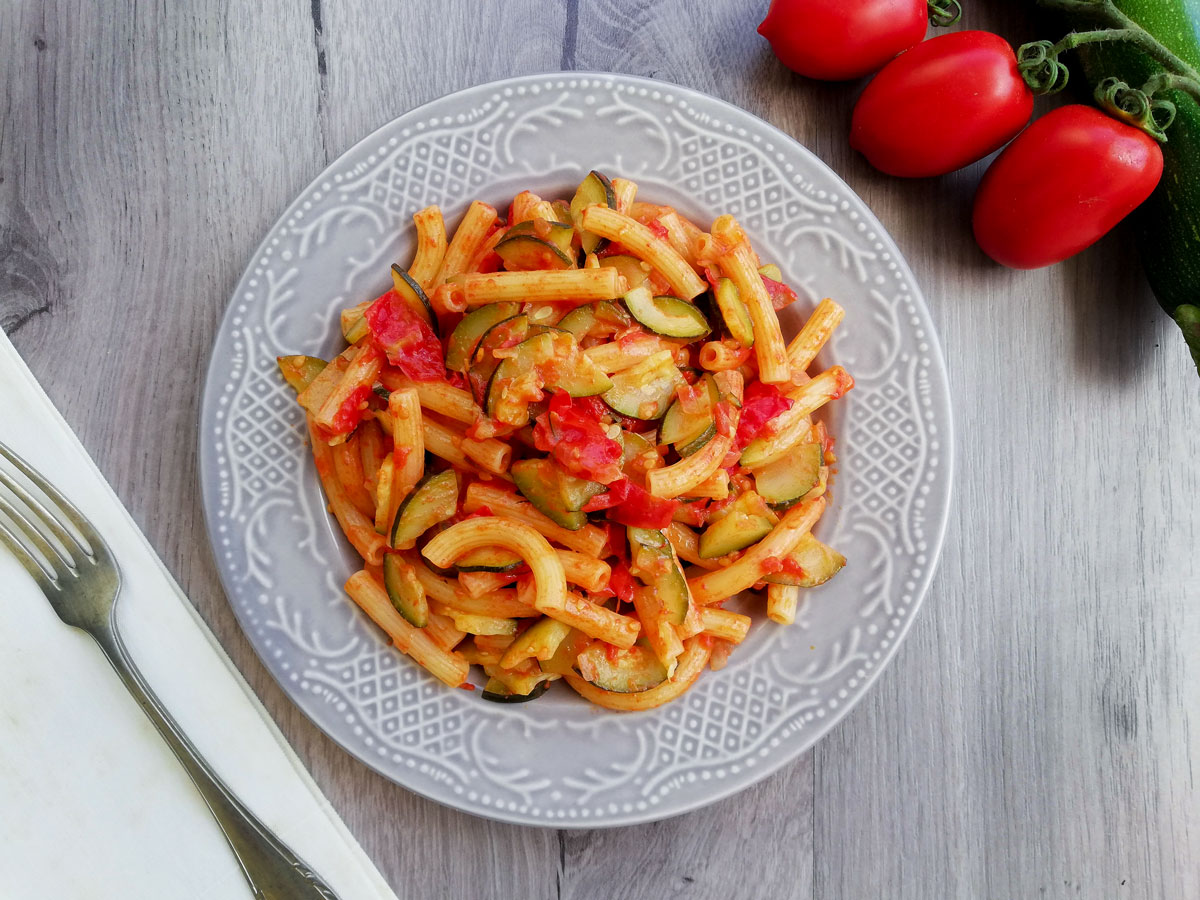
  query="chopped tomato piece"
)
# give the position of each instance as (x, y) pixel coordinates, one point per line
(571, 431)
(350, 413)
(643, 510)
(406, 338)
(760, 404)
(781, 295)
(621, 583)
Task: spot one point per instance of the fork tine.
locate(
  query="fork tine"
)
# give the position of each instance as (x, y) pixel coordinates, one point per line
(27, 528)
(92, 545)
(46, 581)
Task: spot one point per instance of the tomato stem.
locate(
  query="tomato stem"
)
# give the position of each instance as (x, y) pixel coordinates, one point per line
(944, 12)
(1135, 107)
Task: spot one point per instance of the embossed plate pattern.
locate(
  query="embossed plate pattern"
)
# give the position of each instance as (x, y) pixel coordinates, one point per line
(559, 761)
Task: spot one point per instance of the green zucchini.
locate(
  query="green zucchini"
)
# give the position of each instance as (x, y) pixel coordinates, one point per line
(525, 252)
(698, 443)
(488, 559)
(1168, 224)
(743, 525)
(540, 640)
(817, 561)
(564, 659)
(412, 294)
(466, 335)
(635, 271)
(790, 477)
(562, 212)
(354, 322)
(557, 233)
(647, 389)
(595, 320)
(538, 481)
(505, 333)
(594, 189)
(624, 671)
(553, 359)
(299, 371)
(433, 500)
(497, 692)
(772, 271)
(734, 312)
(680, 427)
(405, 591)
(666, 315)
(654, 561)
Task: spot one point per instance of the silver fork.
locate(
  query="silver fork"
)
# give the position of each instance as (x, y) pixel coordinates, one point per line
(81, 580)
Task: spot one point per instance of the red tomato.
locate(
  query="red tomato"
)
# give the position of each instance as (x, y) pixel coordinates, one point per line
(835, 40)
(1062, 185)
(761, 403)
(571, 431)
(410, 344)
(641, 509)
(942, 105)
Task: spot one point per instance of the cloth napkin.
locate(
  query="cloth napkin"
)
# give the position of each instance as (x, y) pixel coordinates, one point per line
(92, 802)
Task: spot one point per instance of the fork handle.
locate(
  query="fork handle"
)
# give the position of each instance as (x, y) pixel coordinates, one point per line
(273, 870)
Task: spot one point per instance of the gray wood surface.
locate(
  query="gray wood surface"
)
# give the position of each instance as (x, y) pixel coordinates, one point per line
(1034, 736)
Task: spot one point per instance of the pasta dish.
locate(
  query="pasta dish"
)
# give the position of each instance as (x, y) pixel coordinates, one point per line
(566, 436)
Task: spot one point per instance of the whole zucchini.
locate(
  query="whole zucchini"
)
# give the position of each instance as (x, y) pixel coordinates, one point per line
(1168, 224)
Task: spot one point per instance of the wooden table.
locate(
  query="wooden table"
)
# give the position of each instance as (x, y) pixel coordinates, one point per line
(1035, 736)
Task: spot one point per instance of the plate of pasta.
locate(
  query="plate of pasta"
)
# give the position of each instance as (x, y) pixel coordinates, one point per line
(576, 450)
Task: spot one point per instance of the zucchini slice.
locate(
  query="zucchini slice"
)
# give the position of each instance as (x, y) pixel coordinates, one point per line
(680, 427)
(635, 271)
(790, 477)
(299, 371)
(654, 561)
(497, 692)
(625, 671)
(668, 316)
(595, 320)
(538, 481)
(772, 271)
(742, 526)
(563, 662)
(488, 559)
(526, 252)
(698, 443)
(646, 390)
(433, 500)
(354, 322)
(556, 233)
(819, 562)
(594, 189)
(539, 641)
(467, 334)
(550, 359)
(505, 333)
(412, 294)
(734, 312)
(404, 590)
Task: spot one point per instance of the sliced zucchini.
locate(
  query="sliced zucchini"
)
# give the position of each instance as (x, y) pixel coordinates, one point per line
(635, 271)
(557, 233)
(646, 390)
(654, 561)
(734, 312)
(538, 482)
(525, 252)
(818, 562)
(539, 641)
(594, 189)
(433, 500)
(625, 671)
(562, 211)
(771, 271)
(792, 476)
(666, 315)
(354, 322)
(497, 692)
(522, 681)
(680, 427)
(505, 333)
(550, 359)
(412, 294)
(468, 332)
(299, 371)
(576, 491)
(488, 559)
(595, 320)
(563, 661)
(698, 443)
(404, 590)
(743, 525)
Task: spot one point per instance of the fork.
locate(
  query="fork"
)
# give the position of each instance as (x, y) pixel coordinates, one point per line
(79, 576)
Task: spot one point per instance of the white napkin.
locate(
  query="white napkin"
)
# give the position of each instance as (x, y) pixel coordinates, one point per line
(92, 802)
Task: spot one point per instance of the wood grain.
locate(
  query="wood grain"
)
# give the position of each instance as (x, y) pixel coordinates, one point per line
(1032, 738)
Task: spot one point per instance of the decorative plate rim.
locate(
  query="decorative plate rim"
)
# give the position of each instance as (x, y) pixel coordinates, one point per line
(211, 485)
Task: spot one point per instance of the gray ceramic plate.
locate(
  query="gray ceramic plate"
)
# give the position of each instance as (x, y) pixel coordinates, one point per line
(559, 761)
